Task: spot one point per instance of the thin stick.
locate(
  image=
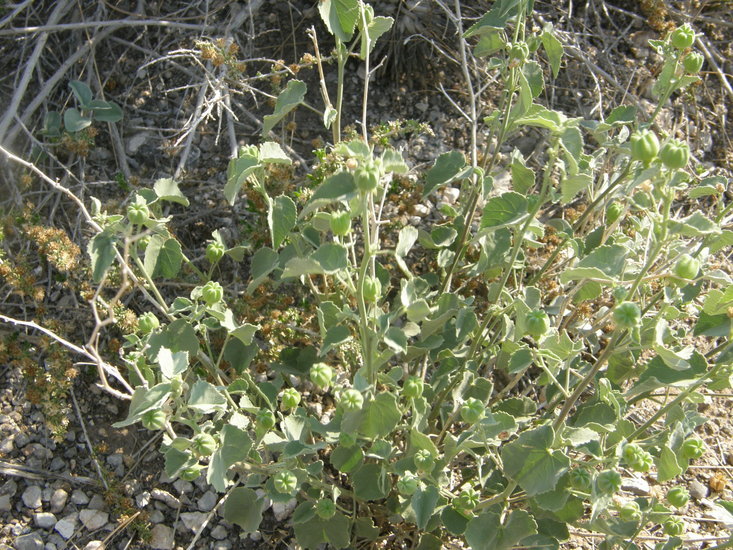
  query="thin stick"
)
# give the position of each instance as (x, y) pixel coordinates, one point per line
(102, 24)
(86, 438)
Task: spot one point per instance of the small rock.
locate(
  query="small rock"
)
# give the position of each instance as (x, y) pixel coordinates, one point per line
(207, 502)
(93, 519)
(79, 497)
(183, 486)
(97, 503)
(32, 497)
(50, 546)
(94, 545)
(193, 520)
(636, 486)
(142, 499)
(66, 526)
(283, 509)
(166, 497)
(221, 545)
(698, 490)
(219, 532)
(420, 210)
(57, 464)
(115, 460)
(156, 516)
(58, 500)
(9, 488)
(31, 541)
(6, 447)
(136, 141)
(44, 520)
(161, 537)
(718, 514)
(255, 536)
(5, 504)
(22, 439)
(451, 194)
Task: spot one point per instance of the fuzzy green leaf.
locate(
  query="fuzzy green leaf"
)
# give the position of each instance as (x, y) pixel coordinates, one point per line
(289, 99)
(486, 531)
(506, 209)
(531, 462)
(281, 218)
(167, 189)
(244, 508)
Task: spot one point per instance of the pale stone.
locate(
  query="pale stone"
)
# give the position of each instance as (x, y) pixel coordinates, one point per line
(161, 537)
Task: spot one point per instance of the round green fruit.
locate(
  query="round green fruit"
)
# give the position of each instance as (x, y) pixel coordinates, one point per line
(325, 508)
(154, 420)
(289, 398)
(644, 146)
(678, 496)
(537, 323)
(367, 178)
(191, 473)
(138, 213)
(687, 267)
(692, 447)
(321, 375)
(467, 500)
(212, 293)
(682, 37)
(352, 400)
(215, 252)
(340, 223)
(608, 482)
(627, 315)
(614, 211)
(674, 527)
(285, 482)
(630, 511)
(372, 289)
(581, 479)
(675, 154)
(423, 460)
(266, 419)
(693, 62)
(413, 387)
(472, 410)
(408, 483)
(203, 444)
(147, 322)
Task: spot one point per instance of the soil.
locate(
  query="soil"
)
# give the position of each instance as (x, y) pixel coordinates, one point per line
(184, 116)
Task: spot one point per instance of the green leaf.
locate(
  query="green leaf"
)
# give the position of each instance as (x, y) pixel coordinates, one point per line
(392, 161)
(531, 462)
(335, 530)
(453, 521)
(281, 219)
(82, 92)
(106, 111)
(396, 339)
(570, 186)
(144, 400)
(375, 28)
(553, 49)
(405, 241)
(289, 98)
(74, 121)
(101, 250)
(272, 153)
(447, 168)
(523, 178)
(667, 465)
(245, 333)
(172, 364)
(506, 209)
(340, 17)
(177, 336)
(235, 446)
(694, 225)
(496, 18)
(238, 170)
(332, 257)
(262, 263)
(338, 187)
(533, 73)
(542, 117)
(163, 257)
(605, 262)
(423, 504)
(335, 336)
(244, 508)
(380, 417)
(486, 532)
(167, 190)
(205, 398)
(371, 482)
(346, 459)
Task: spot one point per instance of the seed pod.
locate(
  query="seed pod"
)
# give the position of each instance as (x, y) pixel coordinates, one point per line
(692, 447)
(285, 482)
(675, 154)
(266, 419)
(537, 323)
(408, 483)
(321, 375)
(138, 213)
(423, 460)
(644, 146)
(413, 387)
(693, 62)
(630, 511)
(472, 411)
(214, 252)
(340, 223)
(367, 178)
(678, 496)
(682, 37)
(289, 398)
(203, 444)
(372, 289)
(212, 293)
(147, 322)
(674, 526)
(627, 315)
(325, 508)
(687, 267)
(614, 211)
(154, 420)
(352, 400)
(608, 482)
